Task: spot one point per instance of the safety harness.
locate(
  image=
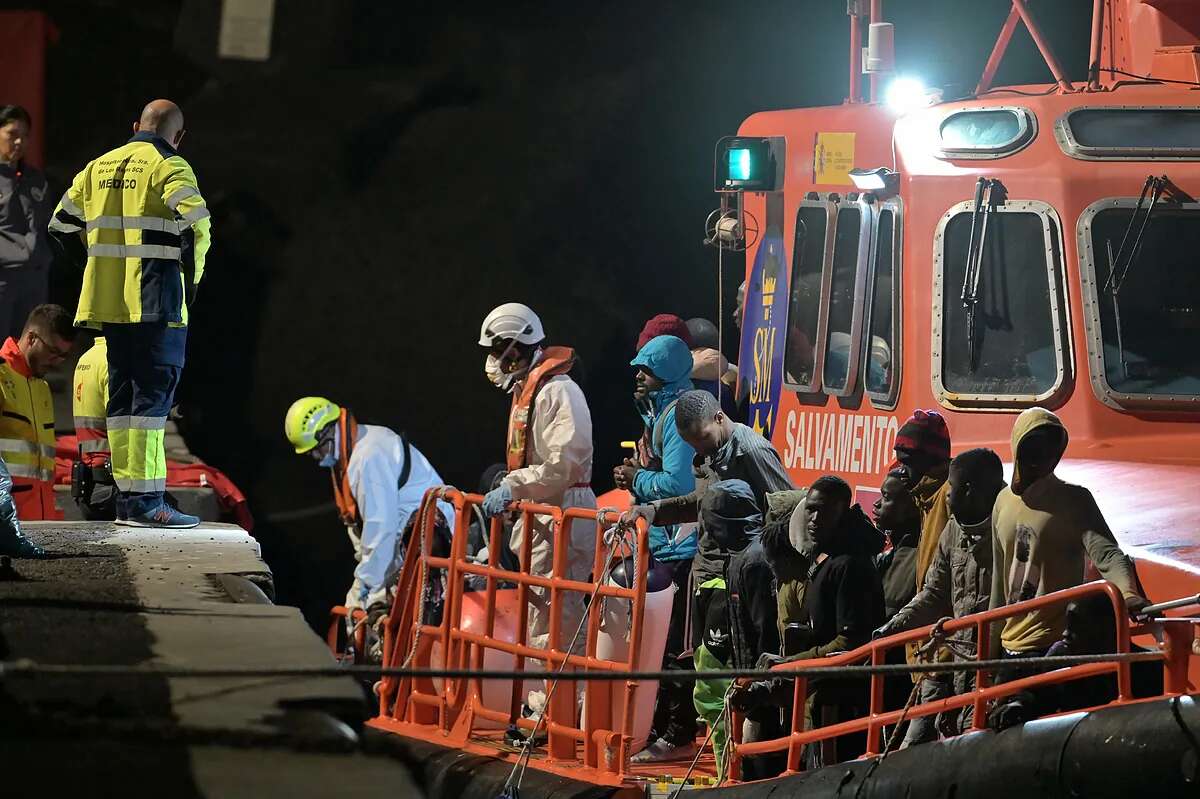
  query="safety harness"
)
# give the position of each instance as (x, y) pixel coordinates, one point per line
(555, 361)
(339, 474)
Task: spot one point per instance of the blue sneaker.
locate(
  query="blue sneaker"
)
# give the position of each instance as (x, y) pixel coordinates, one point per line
(162, 516)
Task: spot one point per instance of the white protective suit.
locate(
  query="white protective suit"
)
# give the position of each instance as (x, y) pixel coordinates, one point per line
(374, 473)
(559, 473)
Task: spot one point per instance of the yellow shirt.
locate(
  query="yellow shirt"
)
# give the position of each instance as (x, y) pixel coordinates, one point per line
(1039, 546)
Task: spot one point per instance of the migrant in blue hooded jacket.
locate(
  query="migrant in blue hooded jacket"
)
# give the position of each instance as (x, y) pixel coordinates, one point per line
(670, 360)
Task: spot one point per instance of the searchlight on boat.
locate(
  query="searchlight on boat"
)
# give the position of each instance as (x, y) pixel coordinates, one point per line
(906, 94)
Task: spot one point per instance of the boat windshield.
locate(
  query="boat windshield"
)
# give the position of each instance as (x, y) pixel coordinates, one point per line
(1150, 326)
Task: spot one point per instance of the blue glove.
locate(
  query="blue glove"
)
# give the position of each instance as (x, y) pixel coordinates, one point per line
(497, 500)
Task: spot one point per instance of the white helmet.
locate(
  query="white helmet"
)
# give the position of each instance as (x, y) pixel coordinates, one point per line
(512, 320)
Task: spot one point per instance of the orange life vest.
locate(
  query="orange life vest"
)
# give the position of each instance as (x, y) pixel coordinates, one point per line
(342, 495)
(555, 361)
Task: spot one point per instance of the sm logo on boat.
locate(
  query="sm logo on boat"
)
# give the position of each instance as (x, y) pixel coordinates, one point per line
(839, 442)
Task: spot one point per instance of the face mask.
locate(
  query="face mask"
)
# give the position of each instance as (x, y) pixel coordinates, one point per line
(330, 459)
(495, 374)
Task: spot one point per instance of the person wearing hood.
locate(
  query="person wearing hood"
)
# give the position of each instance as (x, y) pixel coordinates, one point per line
(959, 580)
(663, 469)
(1044, 531)
(710, 369)
(733, 618)
(842, 604)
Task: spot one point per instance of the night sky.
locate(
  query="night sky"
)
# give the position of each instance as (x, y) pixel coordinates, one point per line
(396, 170)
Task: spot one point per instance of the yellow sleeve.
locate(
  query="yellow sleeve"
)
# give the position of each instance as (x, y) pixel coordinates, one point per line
(182, 195)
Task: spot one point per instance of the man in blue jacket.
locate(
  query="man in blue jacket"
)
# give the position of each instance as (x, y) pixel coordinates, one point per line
(663, 469)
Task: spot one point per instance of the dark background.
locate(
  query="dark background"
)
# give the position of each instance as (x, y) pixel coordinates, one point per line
(397, 169)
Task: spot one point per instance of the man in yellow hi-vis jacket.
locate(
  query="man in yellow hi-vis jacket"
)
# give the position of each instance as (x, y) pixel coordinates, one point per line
(137, 215)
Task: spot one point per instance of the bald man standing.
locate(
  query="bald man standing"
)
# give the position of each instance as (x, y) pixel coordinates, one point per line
(135, 215)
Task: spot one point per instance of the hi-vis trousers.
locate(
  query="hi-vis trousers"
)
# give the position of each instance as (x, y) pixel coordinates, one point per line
(145, 360)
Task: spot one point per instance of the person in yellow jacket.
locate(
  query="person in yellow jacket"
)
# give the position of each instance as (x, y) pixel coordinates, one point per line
(137, 215)
(27, 421)
(92, 485)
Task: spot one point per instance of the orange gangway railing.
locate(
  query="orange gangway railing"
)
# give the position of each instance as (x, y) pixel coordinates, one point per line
(1176, 637)
(416, 706)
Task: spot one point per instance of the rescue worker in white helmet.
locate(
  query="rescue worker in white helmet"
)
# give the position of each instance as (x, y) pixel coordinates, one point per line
(549, 455)
(379, 479)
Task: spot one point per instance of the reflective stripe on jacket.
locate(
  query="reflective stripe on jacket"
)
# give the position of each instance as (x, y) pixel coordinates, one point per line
(89, 404)
(27, 434)
(146, 227)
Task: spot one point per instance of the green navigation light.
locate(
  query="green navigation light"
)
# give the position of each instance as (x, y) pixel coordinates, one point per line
(741, 164)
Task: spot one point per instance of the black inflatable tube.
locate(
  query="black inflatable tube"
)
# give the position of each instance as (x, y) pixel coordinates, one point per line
(1150, 749)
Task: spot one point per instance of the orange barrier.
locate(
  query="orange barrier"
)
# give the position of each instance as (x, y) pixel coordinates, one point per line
(596, 748)
(1176, 635)
(452, 716)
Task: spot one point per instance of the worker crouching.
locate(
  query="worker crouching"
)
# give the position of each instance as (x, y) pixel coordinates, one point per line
(379, 480)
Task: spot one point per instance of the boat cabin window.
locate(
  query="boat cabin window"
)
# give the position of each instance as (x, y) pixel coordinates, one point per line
(810, 254)
(1006, 347)
(1144, 322)
(881, 363)
(986, 132)
(847, 289)
(1152, 133)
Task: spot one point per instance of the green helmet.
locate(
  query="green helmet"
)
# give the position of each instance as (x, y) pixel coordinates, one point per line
(307, 417)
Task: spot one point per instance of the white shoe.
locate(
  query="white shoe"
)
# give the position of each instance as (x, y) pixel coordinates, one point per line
(661, 752)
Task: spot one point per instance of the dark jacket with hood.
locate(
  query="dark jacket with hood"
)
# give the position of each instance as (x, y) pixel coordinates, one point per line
(732, 527)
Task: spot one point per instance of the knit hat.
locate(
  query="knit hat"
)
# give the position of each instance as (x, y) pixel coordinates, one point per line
(665, 324)
(925, 432)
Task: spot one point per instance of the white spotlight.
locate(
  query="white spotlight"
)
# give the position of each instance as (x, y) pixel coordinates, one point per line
(906, 94)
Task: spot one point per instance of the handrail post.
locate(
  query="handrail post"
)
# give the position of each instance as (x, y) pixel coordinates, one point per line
(874, 732)
(1177, 648)
(635, 639)
(1124, 683)
(983, 679)
(525, 556)
(560, 708)
(799, 702)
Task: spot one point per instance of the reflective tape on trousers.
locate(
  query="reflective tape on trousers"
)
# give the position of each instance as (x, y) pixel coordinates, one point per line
(133, 223)
(94, 445)
(91, 422)
(132, 251)
(136, 422)
(145, 486)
